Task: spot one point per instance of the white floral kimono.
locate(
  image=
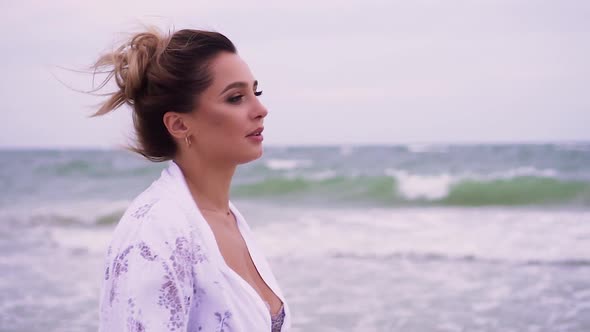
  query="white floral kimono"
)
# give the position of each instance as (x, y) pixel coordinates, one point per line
(164, 270)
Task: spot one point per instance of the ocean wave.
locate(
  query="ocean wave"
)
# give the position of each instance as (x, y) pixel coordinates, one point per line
(523, 237)
(287, 164)
(415, 186)
(83, 213)
(434, 257)
(433, 187)
(523, 186)
(94, 168)
(520, 190)
(337, 188)
(574, 146)
(426, 148)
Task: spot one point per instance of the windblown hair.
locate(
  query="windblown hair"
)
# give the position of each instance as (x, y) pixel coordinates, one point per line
(156, 73)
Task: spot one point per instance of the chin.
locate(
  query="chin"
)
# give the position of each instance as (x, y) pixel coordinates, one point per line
(252, 156)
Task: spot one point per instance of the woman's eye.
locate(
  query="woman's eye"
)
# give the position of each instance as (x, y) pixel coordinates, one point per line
(235, 99)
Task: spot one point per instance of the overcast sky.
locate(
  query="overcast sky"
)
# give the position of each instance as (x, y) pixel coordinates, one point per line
(333, 72)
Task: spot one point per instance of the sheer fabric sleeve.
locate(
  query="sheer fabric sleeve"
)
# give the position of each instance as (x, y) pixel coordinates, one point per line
(146, 291)
(149, 282)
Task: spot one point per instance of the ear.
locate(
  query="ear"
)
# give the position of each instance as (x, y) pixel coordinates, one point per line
(177, 124)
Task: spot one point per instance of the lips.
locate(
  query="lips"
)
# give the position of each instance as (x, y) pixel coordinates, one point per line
(256, 132)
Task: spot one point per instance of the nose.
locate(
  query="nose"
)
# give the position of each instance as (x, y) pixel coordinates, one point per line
(259, 110)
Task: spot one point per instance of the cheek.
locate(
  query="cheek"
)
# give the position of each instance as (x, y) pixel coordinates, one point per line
(216, 118)
(224, 122)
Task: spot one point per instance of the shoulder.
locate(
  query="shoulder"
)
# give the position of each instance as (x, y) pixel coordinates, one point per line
(154, 222)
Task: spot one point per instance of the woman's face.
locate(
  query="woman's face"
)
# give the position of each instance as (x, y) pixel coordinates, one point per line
(227, 112)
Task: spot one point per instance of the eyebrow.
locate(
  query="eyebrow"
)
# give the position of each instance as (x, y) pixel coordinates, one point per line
(238, 85)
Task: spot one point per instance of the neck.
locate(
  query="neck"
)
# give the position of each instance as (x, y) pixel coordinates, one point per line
(208, 181)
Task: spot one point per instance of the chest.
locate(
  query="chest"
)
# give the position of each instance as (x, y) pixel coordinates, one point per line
(235, 252)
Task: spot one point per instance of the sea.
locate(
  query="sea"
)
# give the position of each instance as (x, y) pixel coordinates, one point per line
(407, 237)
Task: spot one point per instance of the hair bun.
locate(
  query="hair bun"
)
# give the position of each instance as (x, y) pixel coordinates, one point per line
(131, 62)
(129, 65)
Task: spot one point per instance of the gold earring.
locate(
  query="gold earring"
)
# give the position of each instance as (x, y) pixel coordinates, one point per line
(187, 140)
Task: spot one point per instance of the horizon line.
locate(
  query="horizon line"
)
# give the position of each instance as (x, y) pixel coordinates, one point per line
(332, 144)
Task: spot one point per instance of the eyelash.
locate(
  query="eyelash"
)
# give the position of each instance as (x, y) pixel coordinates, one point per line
(236, 99)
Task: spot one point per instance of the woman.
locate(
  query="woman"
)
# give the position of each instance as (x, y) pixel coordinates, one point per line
(182, 257)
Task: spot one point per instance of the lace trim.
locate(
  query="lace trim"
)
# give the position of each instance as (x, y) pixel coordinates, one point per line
(277, 320)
